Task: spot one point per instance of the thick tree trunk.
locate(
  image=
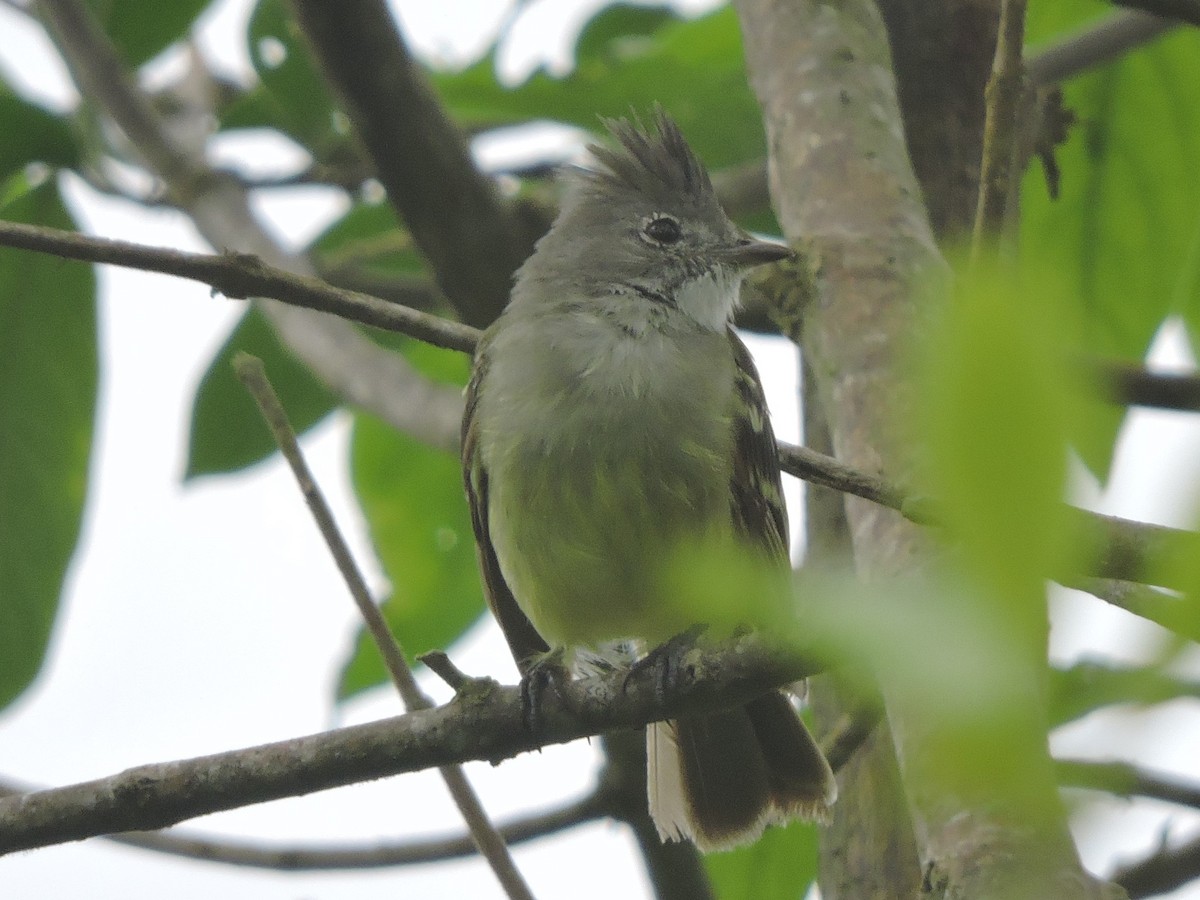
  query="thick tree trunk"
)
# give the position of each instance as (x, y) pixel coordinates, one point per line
(844, 188)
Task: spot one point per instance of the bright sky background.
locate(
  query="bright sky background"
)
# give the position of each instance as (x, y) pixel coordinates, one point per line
(206, 617)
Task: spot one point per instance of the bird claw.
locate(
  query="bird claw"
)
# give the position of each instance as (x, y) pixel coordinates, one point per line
(546, 671)
(666, 661)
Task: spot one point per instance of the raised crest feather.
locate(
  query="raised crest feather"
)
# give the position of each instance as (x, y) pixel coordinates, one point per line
(654, 161)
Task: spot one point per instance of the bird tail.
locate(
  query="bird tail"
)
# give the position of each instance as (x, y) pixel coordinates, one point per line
(718, 780)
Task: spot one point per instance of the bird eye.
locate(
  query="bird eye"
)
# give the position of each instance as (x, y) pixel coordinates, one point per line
(662, 229)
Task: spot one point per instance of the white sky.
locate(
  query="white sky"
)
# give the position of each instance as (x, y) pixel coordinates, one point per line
(208, 617)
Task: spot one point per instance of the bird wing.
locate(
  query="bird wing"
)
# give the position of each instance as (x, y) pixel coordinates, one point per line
(756, 486)
(523, 639)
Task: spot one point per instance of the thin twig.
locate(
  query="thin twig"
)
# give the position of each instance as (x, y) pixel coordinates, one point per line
(329, 857)
(818, 468)
(1125, 780)
(848, 734)
(1132, 385)
(1094, 46)
(1162, 871)
(1183, 10)
(1005, 89)
(240, 276)
(491, 845)
(1090, 684)
(1172, 612)
(293, 859)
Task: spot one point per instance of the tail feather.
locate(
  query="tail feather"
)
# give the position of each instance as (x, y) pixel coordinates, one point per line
(719, 780)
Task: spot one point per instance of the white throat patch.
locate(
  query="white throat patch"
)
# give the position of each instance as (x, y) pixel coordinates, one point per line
(710, 300)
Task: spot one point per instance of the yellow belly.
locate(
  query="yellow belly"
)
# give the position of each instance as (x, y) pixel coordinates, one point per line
(593, 557)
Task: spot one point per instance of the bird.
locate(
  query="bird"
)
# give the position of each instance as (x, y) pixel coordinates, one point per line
(615, 433)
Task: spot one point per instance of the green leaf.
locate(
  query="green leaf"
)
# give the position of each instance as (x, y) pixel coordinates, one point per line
(632, 57)
(781, 865)
(994, 410)
(1125, 234)
(31, 134)
(369, 236)
(1089, 685)
(141, 29)
(1046, 23)
(292, 96)
(227, 431)
(48, 375)
(413, 500)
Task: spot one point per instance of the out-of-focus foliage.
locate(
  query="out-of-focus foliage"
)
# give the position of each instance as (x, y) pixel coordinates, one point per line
(996, 401)
(141, 29)
(48, 377)
(781, 864)
(1124, 235)
(227, 431)
(413, 499)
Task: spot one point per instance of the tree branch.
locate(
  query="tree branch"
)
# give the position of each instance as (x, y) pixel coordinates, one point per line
(1162, 872)
(843, 185)
(483, 722)
(1131, 385)
(1090, 684)
(487, 839)
(1182, 10)
(242, 276)
(1159, 607)
(472, 240)
(298, 858)
(1125, 780)
(1002, 121)
(349, 363)
(1094, 46)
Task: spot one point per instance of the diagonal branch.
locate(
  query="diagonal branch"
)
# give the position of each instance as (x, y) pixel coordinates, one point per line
(349, 363)
(251, 372)
(483, 722)
(1154, 605)
(472, 240)
(1125, 780)
(242, 275)
(1183, 10)
(1095, 45)
(1161, 872)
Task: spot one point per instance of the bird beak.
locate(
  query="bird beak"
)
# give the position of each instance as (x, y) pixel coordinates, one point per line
(748, 252)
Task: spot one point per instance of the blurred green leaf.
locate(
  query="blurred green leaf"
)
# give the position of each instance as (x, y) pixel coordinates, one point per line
(48, 375)
(413, 500)
(141, 29)
(438, 363)
(291, 96)
(631, 57)
(369, 236)
(959, 664)
(994, 409)
(1125, 234)
(31, 134)
(1046, 23)
(781, 865)
(1089, 685)
(227, 431)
